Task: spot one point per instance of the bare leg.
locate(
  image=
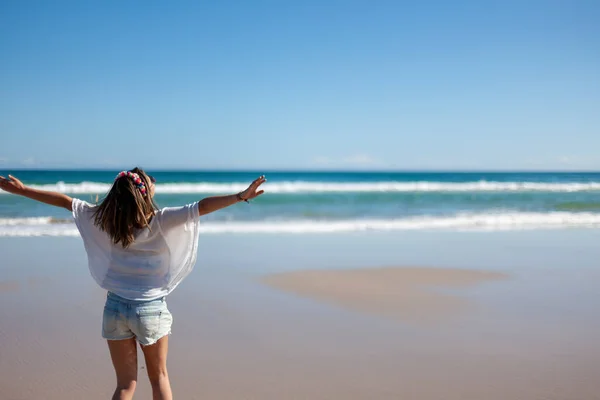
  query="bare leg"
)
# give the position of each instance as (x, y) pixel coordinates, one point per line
(156, 364)
(124, 358)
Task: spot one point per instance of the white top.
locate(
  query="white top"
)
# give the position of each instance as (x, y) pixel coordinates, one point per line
(154, 264)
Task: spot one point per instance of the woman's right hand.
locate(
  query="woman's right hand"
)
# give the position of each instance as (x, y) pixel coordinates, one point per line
(11, 185)
(252, 192)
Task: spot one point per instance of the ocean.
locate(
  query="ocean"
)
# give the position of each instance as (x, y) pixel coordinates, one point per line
(313, 202)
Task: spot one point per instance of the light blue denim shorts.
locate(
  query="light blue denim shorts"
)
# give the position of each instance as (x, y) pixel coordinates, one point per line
(147, 321)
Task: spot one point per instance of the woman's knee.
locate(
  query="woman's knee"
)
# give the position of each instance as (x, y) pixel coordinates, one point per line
(126, 389)
(158, 376)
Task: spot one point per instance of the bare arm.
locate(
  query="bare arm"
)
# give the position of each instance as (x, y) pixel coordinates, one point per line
(212, 204)
(15, 186)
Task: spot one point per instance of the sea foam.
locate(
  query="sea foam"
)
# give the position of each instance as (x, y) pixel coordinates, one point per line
(47, 226)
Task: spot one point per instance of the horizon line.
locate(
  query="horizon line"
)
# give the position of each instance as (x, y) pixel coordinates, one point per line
(307, 170)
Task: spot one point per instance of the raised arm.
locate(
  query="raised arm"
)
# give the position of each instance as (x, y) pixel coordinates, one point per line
(211, 204)
(15, 186)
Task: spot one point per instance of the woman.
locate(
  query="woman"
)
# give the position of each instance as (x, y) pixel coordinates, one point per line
(139, 254)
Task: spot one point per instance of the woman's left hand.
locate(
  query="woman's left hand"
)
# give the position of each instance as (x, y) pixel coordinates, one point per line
(252, 191)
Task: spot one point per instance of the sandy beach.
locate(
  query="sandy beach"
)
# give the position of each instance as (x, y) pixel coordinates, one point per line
(250, 323)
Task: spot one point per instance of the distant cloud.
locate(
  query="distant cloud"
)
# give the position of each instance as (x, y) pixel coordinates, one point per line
(320, 160)
(566, 162)
(29, 162)
(576, 162)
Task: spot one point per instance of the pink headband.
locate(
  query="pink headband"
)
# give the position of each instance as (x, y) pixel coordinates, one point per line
(136, 179)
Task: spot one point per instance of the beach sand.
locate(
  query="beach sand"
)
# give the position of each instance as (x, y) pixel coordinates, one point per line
(252, 327)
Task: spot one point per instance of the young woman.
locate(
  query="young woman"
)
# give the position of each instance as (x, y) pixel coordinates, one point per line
(139, 254)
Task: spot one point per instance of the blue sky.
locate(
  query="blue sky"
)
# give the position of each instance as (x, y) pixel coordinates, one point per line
(300, 84)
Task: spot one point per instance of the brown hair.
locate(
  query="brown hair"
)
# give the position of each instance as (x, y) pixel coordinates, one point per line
(125, 209)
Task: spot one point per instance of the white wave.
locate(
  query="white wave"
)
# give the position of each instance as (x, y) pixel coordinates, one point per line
(477, 222)
(332, 187)
(25, 221)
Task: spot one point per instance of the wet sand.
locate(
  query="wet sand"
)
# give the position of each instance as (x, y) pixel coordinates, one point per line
(242, 330)
(408, 294)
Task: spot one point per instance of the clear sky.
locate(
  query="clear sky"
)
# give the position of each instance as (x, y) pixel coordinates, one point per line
(286, 84)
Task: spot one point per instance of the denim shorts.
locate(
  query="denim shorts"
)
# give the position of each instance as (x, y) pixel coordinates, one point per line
(147, 321)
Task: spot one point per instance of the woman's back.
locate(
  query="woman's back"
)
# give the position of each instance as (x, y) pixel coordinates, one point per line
(161, 255)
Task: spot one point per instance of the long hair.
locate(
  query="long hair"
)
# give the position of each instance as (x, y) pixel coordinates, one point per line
(125, 209)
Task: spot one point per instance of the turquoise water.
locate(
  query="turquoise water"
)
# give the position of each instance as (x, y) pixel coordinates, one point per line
(336, 201)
